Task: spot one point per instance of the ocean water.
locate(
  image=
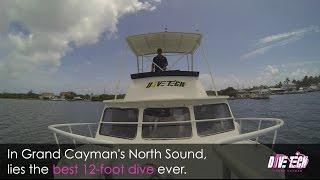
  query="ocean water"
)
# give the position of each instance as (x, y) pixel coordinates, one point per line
(27, 121)
(300, 113)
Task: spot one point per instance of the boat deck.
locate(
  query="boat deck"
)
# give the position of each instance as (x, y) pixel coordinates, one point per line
(168, 100)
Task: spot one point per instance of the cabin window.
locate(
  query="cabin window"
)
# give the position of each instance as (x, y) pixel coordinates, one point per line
(213, 111)
(163, 130)
(127, 131)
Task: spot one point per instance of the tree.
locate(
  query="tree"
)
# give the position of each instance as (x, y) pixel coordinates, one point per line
(294, 81)
(279, 85)
(287, 81)
(230, 91)
(30, 92)
(70, 95)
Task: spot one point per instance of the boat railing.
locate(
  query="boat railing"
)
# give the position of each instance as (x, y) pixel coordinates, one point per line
(56, 129)
(230, 166)
(257, 133)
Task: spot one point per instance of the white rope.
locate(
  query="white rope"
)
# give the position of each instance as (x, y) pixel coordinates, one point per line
(209, 69)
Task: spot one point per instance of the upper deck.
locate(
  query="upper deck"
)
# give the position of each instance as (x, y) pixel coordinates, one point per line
(170, 83)
(165, 73)
(169, 42)
(144, 46)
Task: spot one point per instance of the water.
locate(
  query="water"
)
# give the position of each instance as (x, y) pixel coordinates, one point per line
(300, 112)
(26, 121)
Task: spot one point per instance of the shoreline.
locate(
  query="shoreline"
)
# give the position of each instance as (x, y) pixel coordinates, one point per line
(48, 100)
(307, 92)
(230, 98)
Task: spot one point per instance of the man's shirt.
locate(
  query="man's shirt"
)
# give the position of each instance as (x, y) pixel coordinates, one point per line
(161, 61)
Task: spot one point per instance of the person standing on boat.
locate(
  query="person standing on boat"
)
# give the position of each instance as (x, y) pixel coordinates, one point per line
(160, 62)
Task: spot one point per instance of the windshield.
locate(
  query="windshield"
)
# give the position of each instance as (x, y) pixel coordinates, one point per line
(213, 111)
(170, 130)
(127, 131)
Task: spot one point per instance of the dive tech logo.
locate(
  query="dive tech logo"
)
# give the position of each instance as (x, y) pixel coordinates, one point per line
(165, 83)
(293, 163)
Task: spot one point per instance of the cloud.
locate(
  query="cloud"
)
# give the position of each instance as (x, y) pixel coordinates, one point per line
(288, 35)
(220, 81)
(267, 75)
(255, 52)
(274, 73)
(265, 44)
(36, 34)
(299, 73)
(272, 70)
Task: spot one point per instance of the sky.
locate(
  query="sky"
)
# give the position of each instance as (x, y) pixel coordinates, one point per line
(77, 45)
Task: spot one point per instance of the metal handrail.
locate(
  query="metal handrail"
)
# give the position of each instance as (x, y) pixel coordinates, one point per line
(229, 140)
(238, 169)
(228, 165)
(75, 137)
(141, 123)
(168, 122)
(254, 134)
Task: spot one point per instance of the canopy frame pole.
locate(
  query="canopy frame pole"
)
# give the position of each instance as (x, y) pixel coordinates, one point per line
(142, 64)
(188, 62)
(138, 64)
(191, 61)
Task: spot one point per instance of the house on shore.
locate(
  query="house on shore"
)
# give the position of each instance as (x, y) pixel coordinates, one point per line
(46, 96)
(277, 90)
(243, 94)
(65, 95)
(289, 87)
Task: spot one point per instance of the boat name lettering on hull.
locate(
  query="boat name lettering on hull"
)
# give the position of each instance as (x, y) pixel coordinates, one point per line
(165, 83)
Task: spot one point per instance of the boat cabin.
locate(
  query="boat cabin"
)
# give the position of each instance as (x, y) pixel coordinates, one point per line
(170, 105)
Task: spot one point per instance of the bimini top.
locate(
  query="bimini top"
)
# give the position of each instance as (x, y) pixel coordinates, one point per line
(169, 42)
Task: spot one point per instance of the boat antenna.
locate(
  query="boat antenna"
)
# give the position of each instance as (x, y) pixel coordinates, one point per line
(195, 27)
(117, 87)
(213, 86)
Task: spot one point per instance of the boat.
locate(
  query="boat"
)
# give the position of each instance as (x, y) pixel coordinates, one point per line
(77, 98)
(57, 99)
(260, 94)
(172, 107)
